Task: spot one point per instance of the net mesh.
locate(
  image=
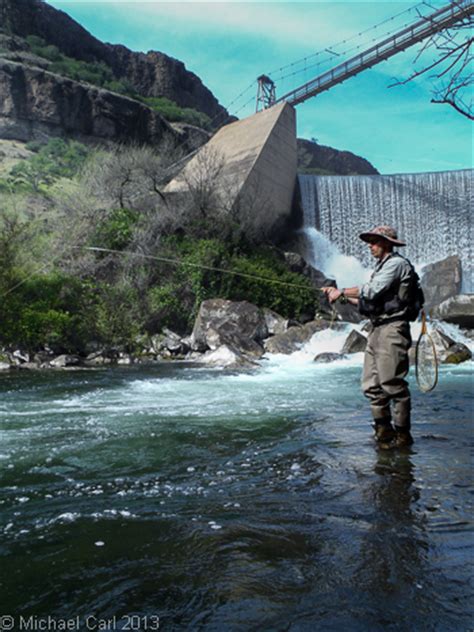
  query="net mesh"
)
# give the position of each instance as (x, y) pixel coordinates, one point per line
(426, 364)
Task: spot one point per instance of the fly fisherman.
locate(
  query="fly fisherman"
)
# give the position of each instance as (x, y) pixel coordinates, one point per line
(386, 300)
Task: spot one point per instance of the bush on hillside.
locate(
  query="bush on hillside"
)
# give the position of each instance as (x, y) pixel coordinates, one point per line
(44, 310)
(206, 271)
(171, 111)
(116, 231)
(56, 159)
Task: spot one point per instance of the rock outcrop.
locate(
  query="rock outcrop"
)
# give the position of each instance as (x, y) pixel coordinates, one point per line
(36, 104)
(152, 74)
(238, 325)
(355, 343)
(318, 159)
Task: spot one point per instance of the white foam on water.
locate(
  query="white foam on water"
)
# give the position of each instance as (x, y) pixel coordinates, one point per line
(326, 256)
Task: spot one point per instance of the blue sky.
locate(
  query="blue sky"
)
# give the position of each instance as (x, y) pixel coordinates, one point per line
(228, 44)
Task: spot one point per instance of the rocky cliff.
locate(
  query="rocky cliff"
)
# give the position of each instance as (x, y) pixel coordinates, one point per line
(151, 74)
(37, 104)
(321, 160)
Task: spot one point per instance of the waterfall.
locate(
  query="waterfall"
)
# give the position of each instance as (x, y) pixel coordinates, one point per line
(432, 212)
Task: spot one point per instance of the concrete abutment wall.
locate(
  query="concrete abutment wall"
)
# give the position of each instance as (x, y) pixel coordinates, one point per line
(258, 168)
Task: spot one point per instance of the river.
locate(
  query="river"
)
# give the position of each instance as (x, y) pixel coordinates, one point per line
(220, 500)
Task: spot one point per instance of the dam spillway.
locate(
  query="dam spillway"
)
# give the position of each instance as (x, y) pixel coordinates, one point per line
(431, 211)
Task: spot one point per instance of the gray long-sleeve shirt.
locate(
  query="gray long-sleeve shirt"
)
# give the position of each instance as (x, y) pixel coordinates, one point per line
(391, 276)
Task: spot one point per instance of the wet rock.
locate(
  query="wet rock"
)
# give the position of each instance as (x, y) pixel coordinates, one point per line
(456, 354)
(227, 335)
(327, 357)
(172, 342)
(276, 324)
(124, 359)
(355, 343)
(150, 345)
(458, 310)
(43, 357)
(347, 312)
(21, 356)
(294, 338)
(227, 357)
(441, 280)
(64, 360)
(4, 366)
(32, 366)
(448, 351)
(97, 359)
(235, 323)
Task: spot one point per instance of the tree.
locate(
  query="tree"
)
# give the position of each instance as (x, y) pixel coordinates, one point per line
(450, 67)
(131, 176)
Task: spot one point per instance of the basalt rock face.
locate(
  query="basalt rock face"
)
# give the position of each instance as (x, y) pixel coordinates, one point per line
(36, 104)
(321, 160)
(152, 74)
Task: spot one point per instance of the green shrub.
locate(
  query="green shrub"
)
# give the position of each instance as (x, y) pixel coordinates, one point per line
(45, 310)
(35, 40)
(121, 87)
(116, 231)
(56, 159)
(262, 278)
(35, 145)
(171, 111)
(269, 283)
(5, 185)
(118, 317)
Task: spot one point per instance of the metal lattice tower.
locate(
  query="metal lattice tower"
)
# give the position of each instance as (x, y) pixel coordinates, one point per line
(266, 95)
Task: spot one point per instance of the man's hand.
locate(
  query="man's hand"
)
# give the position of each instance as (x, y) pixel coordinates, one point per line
(332, 293)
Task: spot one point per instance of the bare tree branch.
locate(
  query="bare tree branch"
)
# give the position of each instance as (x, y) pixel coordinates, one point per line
(453, 80)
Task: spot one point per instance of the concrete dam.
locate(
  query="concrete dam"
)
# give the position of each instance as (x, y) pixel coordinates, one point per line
(432, 211)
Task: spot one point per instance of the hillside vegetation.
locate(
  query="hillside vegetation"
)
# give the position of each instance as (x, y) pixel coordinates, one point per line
(65, 198)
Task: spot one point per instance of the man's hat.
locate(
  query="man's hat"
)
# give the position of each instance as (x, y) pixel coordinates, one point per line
(384, 232)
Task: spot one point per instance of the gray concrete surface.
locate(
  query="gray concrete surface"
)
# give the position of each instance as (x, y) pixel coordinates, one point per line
(252, 162)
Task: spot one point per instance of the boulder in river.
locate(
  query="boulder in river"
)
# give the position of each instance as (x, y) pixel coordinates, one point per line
(295, 337)
(456, 354)
(441, 280)
(327, 357)
(64, 360)
(458, 310)
(355, 342)
(276, 324)
(230, 321)
(227, 357)
(448, 351)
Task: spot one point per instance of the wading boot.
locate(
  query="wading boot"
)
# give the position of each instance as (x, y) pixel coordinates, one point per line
(384, 433)
(402, 439)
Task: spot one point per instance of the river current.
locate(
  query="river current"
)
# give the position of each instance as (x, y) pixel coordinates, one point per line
(220, 500)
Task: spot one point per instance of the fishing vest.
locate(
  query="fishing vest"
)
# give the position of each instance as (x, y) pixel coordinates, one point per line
(401, 301)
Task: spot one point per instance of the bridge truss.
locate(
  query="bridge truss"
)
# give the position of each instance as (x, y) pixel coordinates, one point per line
(440, 20)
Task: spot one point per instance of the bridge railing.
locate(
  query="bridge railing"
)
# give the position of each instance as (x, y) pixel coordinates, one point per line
(435, 22)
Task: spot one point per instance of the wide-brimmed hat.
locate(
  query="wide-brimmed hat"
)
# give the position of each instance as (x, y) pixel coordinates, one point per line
(384, 232)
